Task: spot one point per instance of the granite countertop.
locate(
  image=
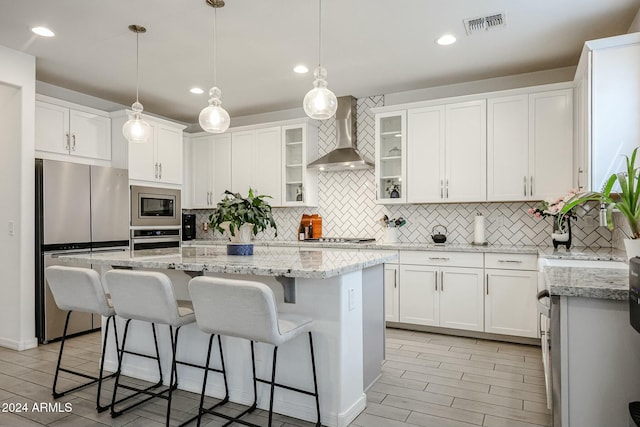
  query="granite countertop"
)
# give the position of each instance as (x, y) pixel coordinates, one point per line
(603, 283)
(266, 261)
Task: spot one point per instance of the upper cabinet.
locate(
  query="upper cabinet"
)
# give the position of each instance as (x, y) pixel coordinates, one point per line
(209, 164)
(608, 106)
(271, 159)
(157, 161)
(391, 145)
(256, 162)
(299, 148)
(530, 146)
(503, 146)
(62, 128)
(443, 148)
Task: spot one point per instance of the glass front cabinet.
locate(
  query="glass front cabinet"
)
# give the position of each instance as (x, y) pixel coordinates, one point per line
(391, 144)
(300, 147)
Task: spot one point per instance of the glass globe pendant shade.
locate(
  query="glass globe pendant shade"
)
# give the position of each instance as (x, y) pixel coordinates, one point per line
(214, 118)
(136, 129)
(320, 103)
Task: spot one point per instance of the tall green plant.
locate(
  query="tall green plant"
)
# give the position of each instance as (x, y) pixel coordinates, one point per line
(238, 210)
(627, 201)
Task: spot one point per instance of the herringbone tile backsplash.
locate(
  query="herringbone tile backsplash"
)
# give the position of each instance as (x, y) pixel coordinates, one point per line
(348, 209)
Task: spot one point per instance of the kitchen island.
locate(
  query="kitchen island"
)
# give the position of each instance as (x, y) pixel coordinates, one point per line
(594, 350)
(343, 291)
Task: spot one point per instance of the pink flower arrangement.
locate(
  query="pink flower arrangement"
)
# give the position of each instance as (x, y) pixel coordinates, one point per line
(553, 206)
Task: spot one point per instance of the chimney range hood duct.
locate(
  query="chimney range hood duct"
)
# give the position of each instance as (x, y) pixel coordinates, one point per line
(345, 156)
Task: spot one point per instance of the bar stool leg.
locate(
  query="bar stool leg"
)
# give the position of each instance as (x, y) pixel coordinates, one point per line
(64, 337)
(99, 407)
(173, 380)
(273, 384)
(255, 382)
(315, 379)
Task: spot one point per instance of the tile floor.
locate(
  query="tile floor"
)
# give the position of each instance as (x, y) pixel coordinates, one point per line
(428, 380)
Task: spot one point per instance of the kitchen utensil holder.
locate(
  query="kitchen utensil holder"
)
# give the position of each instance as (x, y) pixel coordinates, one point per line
(391, 235)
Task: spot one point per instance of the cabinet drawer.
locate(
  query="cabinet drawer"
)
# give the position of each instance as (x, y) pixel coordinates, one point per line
(511, 261)
(457, 259)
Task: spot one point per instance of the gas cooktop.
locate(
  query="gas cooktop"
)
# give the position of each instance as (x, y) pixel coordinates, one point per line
(342, 240)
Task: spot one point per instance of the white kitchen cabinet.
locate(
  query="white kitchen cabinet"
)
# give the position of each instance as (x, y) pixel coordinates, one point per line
(70, 129)
(256, 162)
(425, 162)
(391, 157)
(507, 148)
(550, 143)
(608, 97)
(299, 148)
(210, 168)
(466, 151)
(530, 146)
(446, 148)
(510, 300)
(448, 293)
(391, 293)
(582, 130)
(159, 159)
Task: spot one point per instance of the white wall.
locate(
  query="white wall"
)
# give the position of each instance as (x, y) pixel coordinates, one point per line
(17, 106)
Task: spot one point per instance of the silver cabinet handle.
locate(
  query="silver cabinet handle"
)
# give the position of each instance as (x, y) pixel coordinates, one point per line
(67, 144)
(436, 281)
(441, 189)
(487, 284)
(447, 189)
(510, 260)
(524, 186)
(160, 170)
(73, 145)
(439, 258)
(395, 278)
(442, 281)
(580, 171)
(531, 187)
(155, 174)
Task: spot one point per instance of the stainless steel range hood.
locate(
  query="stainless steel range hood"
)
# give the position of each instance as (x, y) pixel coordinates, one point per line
(345, 156)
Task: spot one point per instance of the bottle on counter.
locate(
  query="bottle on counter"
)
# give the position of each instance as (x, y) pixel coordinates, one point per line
(301, 232)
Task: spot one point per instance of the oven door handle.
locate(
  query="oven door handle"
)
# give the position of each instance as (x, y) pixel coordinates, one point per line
(543, 294)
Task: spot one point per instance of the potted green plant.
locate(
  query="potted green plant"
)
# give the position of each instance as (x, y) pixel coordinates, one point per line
(242, 218)
(626, 201)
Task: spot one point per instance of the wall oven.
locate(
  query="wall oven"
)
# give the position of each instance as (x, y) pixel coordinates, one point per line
(153, 206)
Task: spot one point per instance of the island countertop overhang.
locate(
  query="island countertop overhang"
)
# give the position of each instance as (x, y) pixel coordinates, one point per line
(266, 261)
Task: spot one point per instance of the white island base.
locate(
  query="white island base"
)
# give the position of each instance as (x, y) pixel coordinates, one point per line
(348, 341)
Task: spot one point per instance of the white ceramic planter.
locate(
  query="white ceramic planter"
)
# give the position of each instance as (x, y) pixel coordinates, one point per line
(391, 235)
(243, 235)
(632, 246)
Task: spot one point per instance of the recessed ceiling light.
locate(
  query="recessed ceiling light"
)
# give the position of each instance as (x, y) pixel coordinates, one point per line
(43, 31)
(446, 40)
(300, 69)
(196, 90)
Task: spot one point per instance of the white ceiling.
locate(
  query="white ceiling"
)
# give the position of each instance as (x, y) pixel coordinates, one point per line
(370, 47)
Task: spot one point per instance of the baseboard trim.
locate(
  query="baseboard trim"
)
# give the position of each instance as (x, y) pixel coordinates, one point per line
(463, 333)
(19, 345)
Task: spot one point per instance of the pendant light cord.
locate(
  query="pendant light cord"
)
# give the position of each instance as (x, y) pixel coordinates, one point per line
(319, 32)
(215, 42)
(137, 64)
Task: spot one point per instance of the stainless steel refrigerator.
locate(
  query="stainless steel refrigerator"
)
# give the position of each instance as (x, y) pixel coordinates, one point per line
(79, 208)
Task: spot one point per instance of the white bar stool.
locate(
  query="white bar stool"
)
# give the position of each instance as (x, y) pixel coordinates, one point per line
(80, 289)
(246, 309)
(149, 296)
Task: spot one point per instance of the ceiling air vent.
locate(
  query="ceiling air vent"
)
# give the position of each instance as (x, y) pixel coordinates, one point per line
(484, 23)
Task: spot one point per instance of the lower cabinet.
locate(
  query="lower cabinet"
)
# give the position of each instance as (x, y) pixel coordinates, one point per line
(436, 295)
(493, 293)
(391, 293)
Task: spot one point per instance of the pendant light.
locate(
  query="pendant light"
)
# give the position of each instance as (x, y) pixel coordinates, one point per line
(320, 103)
(214, 118)
(136, 129)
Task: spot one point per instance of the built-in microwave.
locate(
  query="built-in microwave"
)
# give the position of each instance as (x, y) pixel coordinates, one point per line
(153, 206)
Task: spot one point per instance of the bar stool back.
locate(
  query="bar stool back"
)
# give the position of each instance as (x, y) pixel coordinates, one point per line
(80, 289)
(247, 309)
(148, 296)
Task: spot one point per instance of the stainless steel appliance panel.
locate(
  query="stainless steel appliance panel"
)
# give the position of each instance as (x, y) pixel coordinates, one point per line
(154, 206)
(55, 318)
(109, 205)
(67, 202)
